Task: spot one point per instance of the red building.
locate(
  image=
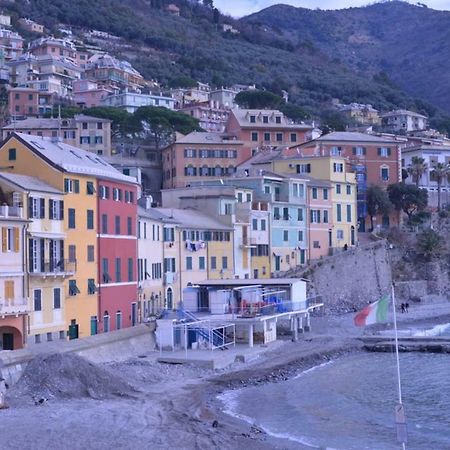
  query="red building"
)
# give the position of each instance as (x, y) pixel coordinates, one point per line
(376, 160)
(118, 302)
(23, 102)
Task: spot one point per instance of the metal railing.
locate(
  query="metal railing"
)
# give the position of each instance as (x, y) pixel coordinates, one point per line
(55, 267)
(13, 306)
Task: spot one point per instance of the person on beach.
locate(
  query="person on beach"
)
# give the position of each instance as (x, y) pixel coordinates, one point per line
(407, 307)
(3, 387)
(402, 307)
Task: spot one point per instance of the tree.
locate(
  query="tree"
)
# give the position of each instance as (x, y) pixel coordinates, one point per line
(407, 198)
(182, 82)
(208, 3)
(294, 112)
(256, 99)
(417, 168)
(438, 173)
(122, 123)
(430, 244)
(377, 203)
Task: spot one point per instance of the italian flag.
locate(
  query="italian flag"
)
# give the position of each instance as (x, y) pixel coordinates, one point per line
(373, 313)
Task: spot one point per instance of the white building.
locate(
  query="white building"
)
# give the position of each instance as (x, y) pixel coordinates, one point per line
(403, 120)
(131, 101)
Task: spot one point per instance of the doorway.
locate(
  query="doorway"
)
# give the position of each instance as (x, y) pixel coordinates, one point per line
(169, 298)
(133, 314)
(8, 341)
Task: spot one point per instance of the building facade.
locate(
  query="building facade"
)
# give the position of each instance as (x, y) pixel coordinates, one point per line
(403, 121)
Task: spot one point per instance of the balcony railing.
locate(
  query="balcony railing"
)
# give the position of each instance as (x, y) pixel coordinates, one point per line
(60, 267)
(13, 306)
(11, 211)
(248, 242)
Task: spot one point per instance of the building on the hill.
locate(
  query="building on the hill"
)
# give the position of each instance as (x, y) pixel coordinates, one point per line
(173, 9)
(199, 156)
(23, 102)
(51, 46)
(131, 101)
(31, 26)
(211, 117)
(13, 295)
(11, 44)
(92, 134)
(88, 94)
(360, 113)
(402, 120)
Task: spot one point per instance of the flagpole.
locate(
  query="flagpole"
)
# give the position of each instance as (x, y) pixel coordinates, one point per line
(397, 355)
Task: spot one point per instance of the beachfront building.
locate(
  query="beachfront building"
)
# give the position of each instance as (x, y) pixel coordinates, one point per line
(376, 160)
(13, 295)
(92, 134)
(432, 152)
(116, 252)
(47, 265)
(261, 129)
(200, 156)
(75, 172)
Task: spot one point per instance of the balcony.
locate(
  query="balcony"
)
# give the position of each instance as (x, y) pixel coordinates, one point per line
(15, 212)
(170, 277)
(55, 268)
(13, 306)
(247, 242)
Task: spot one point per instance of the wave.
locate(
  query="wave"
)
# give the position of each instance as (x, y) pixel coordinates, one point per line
(230, 402)
(435, 331)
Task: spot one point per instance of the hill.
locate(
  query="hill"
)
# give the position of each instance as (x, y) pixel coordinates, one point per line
(274, 56)
(409, 43)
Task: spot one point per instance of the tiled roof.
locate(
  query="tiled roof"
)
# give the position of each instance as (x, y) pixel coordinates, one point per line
(192, 218)
(51, 123)
(28, 183)
(200, 137)
(72, 159)
(350, 136)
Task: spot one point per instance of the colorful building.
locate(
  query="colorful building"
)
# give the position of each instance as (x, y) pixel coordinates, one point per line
(75, 172)
(13, 295)
(23, 102)
(47, 266)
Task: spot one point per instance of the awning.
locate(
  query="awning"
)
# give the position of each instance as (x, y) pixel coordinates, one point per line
(47, 235)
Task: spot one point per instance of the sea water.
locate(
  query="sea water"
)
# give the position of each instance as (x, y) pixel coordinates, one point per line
(348, 404)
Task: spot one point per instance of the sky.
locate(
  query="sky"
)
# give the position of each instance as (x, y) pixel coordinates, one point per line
(239, 8)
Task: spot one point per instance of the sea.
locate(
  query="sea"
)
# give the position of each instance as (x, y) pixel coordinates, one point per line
(348, 404)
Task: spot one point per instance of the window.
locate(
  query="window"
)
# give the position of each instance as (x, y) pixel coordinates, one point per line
(92, 288)
(130, 269)
(315, 216)
(37, 300)
(339, 212)
(293, 137)
(118, 270)
(349, 213)
(85, 126)
(300, 235)
(99, 126)
(248, 197)
(325, 216)
(73, 288)
(71, 186)
(201, 263)
(267, 137)
(263, 224)
(349, 189)
(36, 208)
(90, 189)
(338, 189)
(117, 224)
(303, 168)
(99, 139)
(188, 262)
(359, 151)
(169, 234)
(300, 214)
(129, 226)
(169, 265)
(90, 219)
(224, 262)
(12, 154)
(316, 244)
(279, 137)
(276, 213)
(340, 235)
(37, 338)
(314, 193)
(9, 289)
(335, 151)
(104, 224)
(106, 323)
(266, 189)
(106, 276)
(56, 209)
(325, 193)
(285, 235)
(338, 167)
(72, 253)
(252, 119)
(254, 137)
(213, 263)
(71, 213)
(104, 192)
(228, 209)
(255, 224)
(90, 253)
(118, 320)
(385, 173)
(265, 119)
(57, 298)
(384, 152)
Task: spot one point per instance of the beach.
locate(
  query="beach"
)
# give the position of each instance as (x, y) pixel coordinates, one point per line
(177, 406)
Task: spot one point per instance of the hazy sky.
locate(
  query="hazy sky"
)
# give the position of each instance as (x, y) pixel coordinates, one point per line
(238, 8)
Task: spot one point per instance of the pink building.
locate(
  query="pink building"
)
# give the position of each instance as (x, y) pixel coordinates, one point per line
(117, 255)
(23, 102)
(11, 43)
(210, 116)
(88, 94)
(320, 217)
(53, 47)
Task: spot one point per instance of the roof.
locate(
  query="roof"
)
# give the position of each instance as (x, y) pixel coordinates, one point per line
(154, 214)
(52, 123)
(28, 183)
(71, 159)
(350, 136)
(200, 137)
(242, 115)
(252, 282)
(403, 112)
(192, 218)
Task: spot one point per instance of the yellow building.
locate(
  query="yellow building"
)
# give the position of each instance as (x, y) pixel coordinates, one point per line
(44, 254)
(74, 172)
(334, 169)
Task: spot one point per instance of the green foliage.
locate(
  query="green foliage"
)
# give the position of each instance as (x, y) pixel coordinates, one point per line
(407, 198)
(430, 244)
(417, 168)
(333, 120)
(182, 81)
(377, 202)
(122, 123)
(256, 99)
(294, 112)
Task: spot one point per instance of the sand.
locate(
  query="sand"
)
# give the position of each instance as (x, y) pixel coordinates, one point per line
(141, 404)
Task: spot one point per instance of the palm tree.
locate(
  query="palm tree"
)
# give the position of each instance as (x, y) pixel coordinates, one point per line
(417, 168)
(439, 172)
